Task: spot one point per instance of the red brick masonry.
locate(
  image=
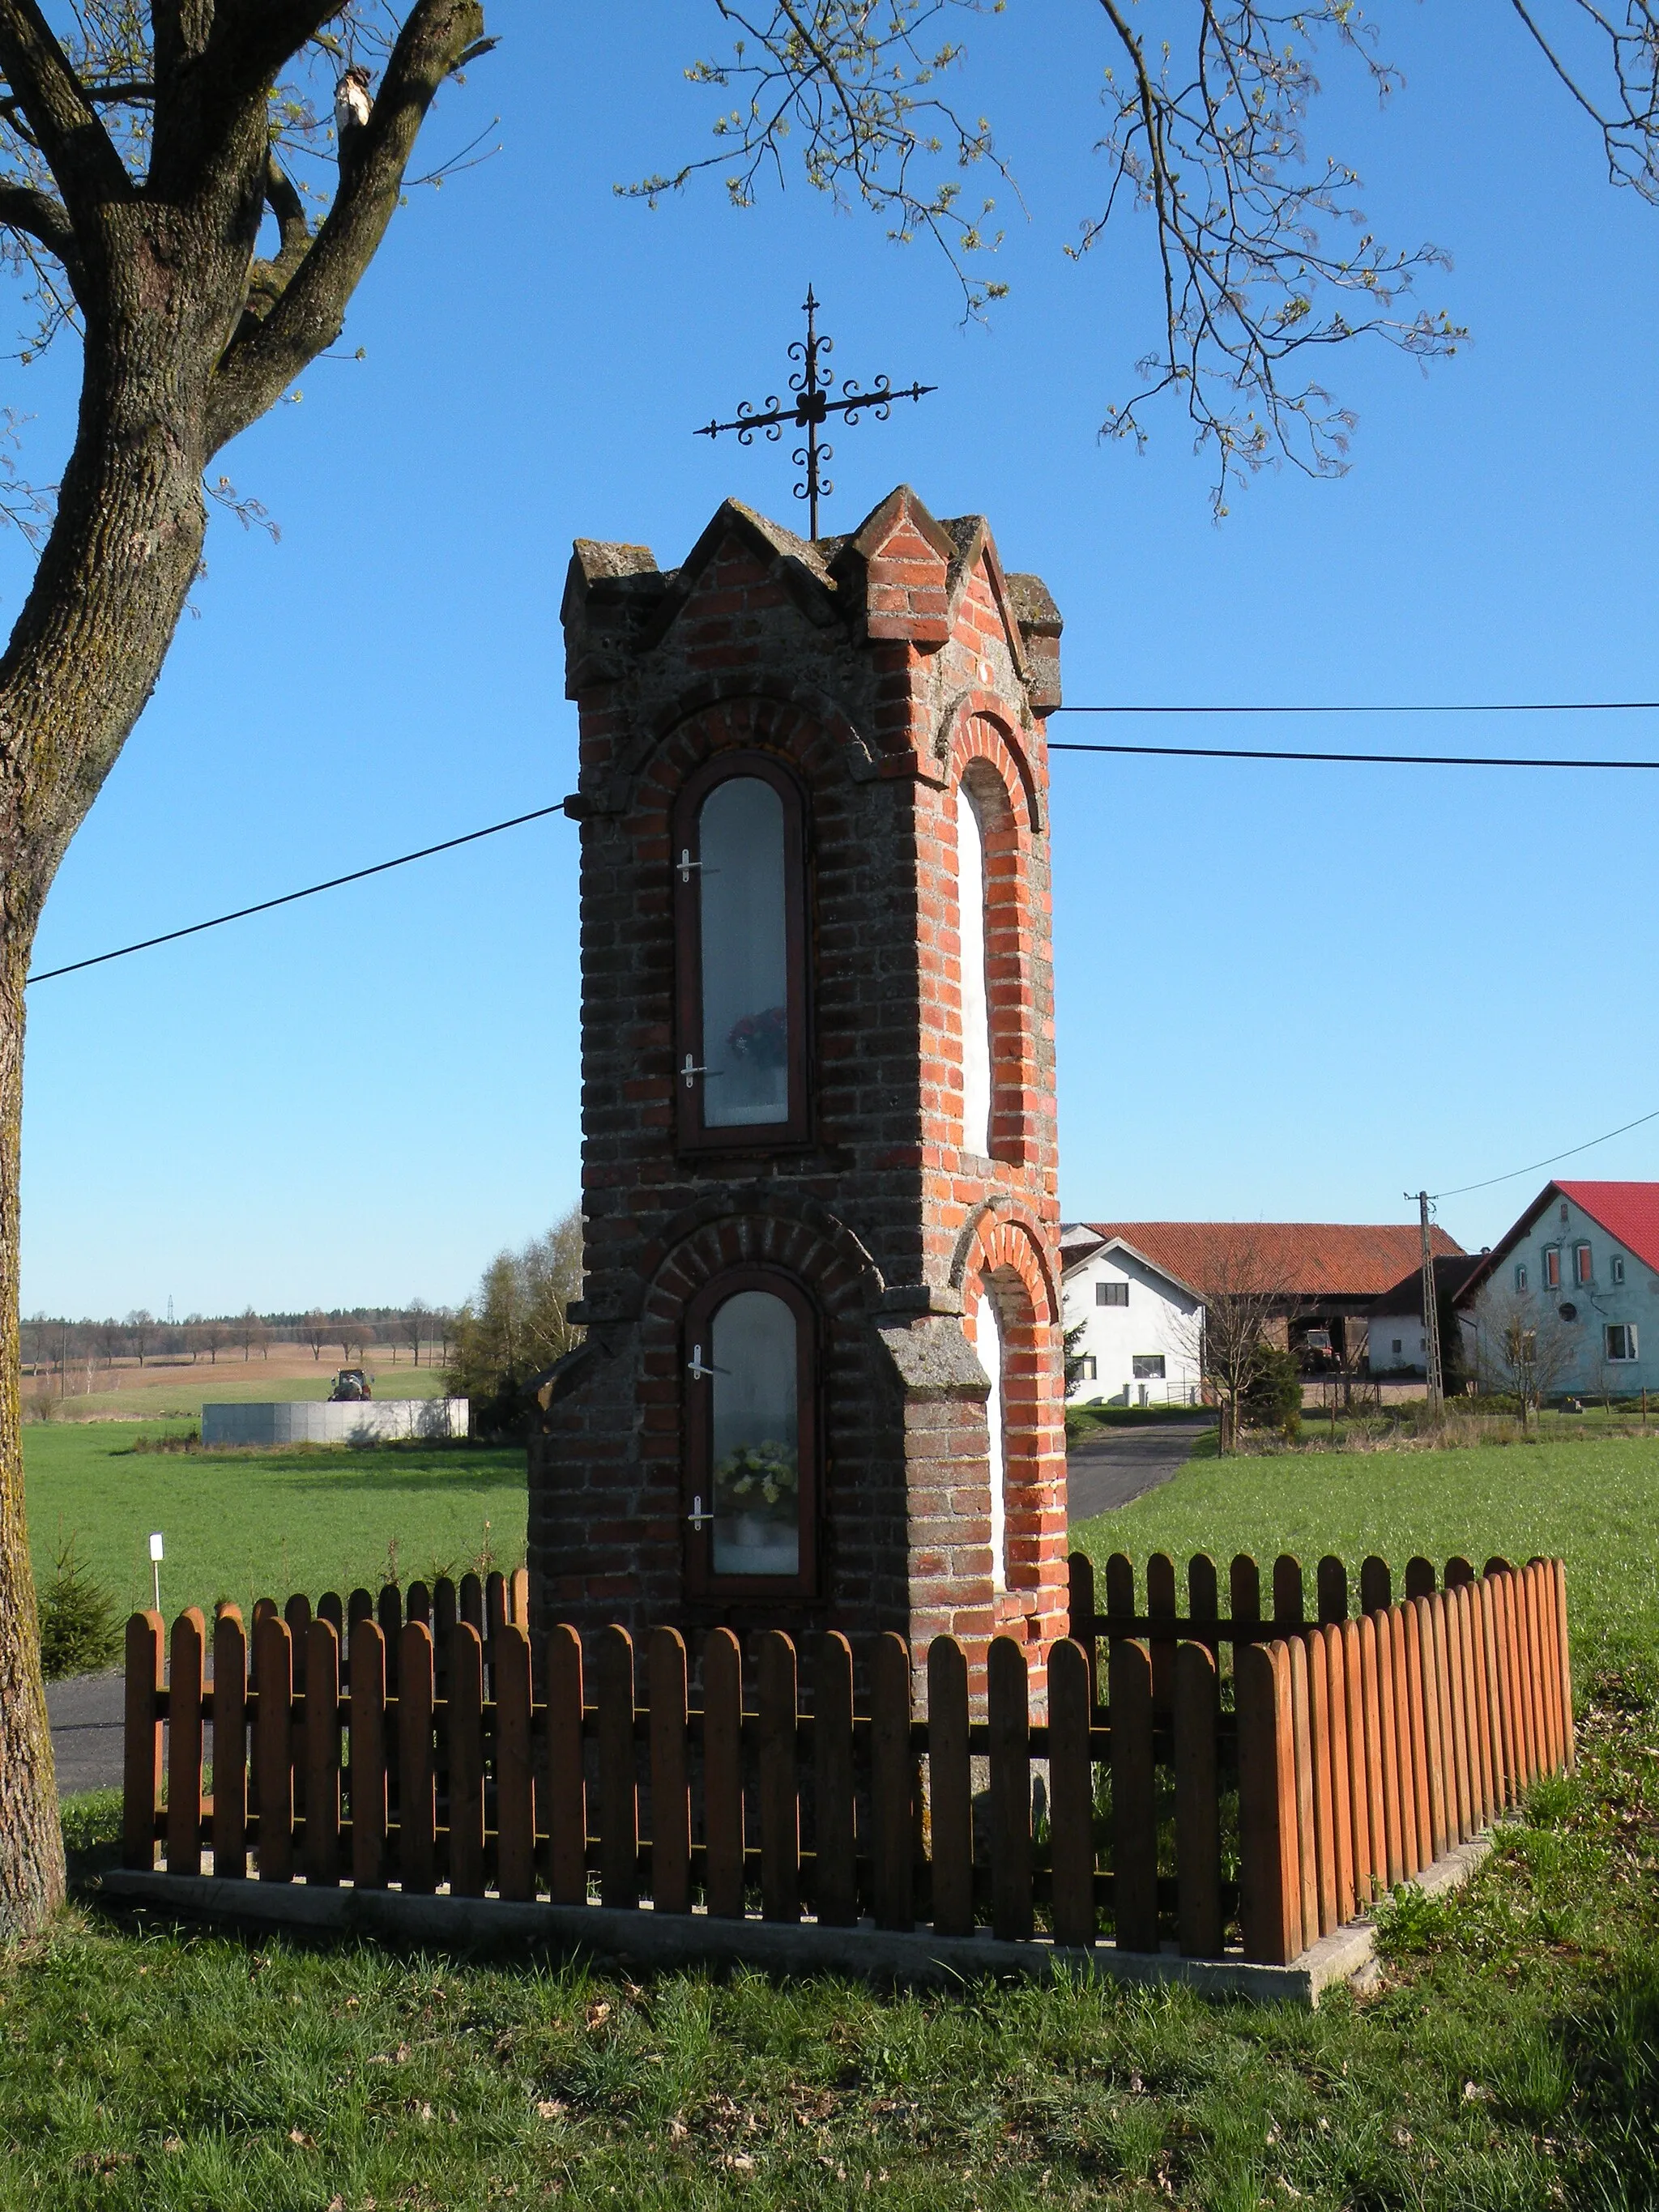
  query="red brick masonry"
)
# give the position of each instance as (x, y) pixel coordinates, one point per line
(879, 669)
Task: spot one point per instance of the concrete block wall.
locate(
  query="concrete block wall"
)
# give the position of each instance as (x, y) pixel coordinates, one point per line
(320, 1421)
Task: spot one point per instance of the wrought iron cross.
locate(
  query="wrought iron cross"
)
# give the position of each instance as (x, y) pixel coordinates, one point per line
(811, 408)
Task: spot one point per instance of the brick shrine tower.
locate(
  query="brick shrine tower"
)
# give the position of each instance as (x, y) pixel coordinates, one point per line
(821, 1384)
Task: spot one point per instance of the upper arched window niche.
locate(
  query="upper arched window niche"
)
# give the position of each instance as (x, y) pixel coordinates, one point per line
(751, 1436)
(975, 992)
(740, 888)
(991, 939)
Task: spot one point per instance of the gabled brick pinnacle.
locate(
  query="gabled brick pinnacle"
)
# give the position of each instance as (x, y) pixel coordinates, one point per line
(905, 555)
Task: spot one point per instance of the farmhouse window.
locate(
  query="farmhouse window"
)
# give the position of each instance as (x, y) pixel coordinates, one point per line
(739, 892)
(1088, 1368)
(1111, 1294)
(1582, 1271)
(751, 1461)
(1149, 1366)
(1399, 1344)
(1620, 1340)
(1552, 1268)
(1520, 1279)
(1616, 1267)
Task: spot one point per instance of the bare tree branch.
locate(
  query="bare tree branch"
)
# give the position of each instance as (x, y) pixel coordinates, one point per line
(269, 353)
(1251, 234)
(22, 207)
(27, 508)
(1624, 105)
(1262, 254)
(61, 120)
(852, 78)
(269, 280)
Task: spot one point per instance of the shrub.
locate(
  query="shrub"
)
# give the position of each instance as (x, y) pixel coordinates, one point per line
(79, 1624)
(1272, 1398)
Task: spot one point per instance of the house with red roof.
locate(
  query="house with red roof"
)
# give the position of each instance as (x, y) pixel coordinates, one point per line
(1581, 1267)
(1136, 1292)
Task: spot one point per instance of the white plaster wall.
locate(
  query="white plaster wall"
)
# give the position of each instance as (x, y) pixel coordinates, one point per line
(988, 1343)
(1635, 1301)
(1385, 1360)
(1158, 1318)
(1384, 1328)
(312, 1421)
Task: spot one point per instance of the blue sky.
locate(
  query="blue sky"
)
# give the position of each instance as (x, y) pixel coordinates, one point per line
(1283, 991)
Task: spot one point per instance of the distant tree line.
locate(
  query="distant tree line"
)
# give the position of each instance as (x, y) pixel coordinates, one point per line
(493, 1351)
(516, 1326)
(54, 1347)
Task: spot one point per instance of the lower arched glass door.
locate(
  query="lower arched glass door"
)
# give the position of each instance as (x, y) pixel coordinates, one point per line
(750, 1469)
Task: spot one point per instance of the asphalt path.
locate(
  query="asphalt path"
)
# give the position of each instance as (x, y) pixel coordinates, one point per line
(86, 1715)
(1113, 1465)
(1104, 1471)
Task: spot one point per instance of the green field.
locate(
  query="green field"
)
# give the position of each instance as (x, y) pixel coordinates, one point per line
(251, 1524)
(1596, 1504)
(1507, 2061)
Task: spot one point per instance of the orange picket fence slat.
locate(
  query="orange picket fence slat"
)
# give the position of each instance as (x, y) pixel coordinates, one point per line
(403, 1741)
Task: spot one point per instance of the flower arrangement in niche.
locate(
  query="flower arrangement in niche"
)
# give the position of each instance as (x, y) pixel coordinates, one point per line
(759, 1477)
(761, 1039)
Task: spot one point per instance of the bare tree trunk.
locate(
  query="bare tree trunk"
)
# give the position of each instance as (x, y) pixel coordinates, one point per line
(187, 340)
(81, 662)
(31, 1846)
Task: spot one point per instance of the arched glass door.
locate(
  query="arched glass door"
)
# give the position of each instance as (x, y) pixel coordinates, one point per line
(750, 1469)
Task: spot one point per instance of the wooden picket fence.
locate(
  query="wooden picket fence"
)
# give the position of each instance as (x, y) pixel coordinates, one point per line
(1261, 1776)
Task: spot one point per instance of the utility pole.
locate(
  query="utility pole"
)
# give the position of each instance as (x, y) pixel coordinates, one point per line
(1431, 1312)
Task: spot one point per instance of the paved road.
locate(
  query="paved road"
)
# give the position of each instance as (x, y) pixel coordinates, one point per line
(86, 1731)
(1110, 1469)
(1115, 1465)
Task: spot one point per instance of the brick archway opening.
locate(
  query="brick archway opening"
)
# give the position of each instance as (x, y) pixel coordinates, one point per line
(986, 771)
(1005, 1268)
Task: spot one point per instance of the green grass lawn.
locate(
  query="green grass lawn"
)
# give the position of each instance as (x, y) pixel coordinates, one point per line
(1596, 1504)
(1507, 2061)
(249, 1524)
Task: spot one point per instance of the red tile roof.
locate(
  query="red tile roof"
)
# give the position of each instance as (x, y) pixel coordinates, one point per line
(1300, 1259)
(1628, 1210)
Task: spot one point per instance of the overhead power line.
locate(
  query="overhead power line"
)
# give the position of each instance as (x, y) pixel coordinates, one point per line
(1373, 707)
(1571, 1153)
(1056, 745)
(288, 898)
(1363, 760)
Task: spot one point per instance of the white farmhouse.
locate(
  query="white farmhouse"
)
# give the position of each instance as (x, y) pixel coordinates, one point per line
(1141, 1326)
(1581, 1267)
(1398, 1341)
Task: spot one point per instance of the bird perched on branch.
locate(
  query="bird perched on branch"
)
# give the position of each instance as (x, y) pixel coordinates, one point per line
(352, 109)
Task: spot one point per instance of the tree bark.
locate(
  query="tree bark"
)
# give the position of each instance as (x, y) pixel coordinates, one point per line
(31, 1844)
(179, 357)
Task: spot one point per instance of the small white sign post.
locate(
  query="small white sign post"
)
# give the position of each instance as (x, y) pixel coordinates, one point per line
(156, 1565)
